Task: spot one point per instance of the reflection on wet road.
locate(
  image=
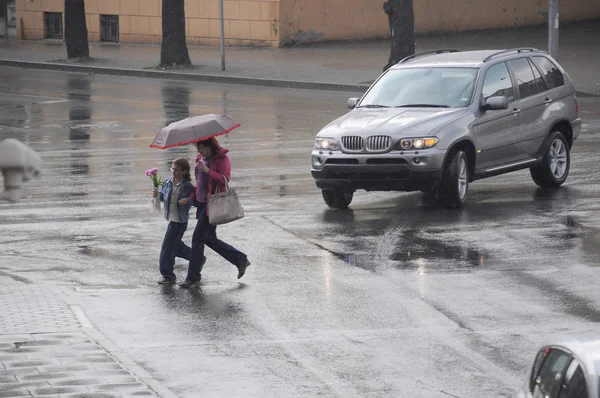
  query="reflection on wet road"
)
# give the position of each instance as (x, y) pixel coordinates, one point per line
(337, 303)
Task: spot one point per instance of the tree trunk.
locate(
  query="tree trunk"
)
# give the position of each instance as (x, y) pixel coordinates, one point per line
(76, 34)
(174, 48)
(402, 29)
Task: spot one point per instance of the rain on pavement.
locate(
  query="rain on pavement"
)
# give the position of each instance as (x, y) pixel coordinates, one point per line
(394, 297)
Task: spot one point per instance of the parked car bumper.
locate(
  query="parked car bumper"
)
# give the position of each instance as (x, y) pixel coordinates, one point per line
(417, 170)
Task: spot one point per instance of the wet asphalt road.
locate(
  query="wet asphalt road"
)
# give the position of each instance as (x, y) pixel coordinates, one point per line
(395, 297)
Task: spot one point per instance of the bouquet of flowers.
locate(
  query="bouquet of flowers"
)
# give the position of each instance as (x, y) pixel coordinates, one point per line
(153, 174)
(157, 182)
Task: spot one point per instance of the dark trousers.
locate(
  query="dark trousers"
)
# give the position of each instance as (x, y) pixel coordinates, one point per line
(173, 247)
(206, 234)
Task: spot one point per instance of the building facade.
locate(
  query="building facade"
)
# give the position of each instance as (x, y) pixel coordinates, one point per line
(275, 23)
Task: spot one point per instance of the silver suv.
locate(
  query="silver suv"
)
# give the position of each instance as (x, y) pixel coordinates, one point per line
(437, 121)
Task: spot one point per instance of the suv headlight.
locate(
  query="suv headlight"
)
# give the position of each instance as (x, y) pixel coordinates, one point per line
(406, 144)
(329, 144)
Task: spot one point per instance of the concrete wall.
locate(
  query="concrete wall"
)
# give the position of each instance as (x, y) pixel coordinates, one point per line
(277, 22)
(248, 22)
(313, 20)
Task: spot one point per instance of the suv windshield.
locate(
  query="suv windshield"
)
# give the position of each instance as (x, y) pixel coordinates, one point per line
(423, 87)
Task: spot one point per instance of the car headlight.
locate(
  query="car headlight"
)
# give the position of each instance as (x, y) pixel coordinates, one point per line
(406, 144)
(329, 144)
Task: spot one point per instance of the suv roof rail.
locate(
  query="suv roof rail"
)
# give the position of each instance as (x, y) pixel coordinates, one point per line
(444, 50)
(518, 50)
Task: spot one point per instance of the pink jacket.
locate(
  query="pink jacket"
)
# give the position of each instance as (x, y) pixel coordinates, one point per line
(220, 167)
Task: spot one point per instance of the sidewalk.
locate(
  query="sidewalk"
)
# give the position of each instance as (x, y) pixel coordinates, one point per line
(48, 348)
(330, 66)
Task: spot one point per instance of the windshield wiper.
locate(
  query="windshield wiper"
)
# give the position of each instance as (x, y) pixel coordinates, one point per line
(422, 106)
(374, 106)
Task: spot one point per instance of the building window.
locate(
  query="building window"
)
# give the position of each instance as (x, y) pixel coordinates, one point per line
(53, 28)
(109, 28)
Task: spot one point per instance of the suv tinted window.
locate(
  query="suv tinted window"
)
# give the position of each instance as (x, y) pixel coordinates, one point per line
(551, 374)
(553, 76)
(574, 385)
(497, 83)
(528, 83)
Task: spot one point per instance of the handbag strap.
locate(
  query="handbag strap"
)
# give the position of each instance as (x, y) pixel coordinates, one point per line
(226, 185)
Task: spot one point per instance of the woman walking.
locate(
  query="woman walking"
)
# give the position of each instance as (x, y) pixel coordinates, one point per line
(212, 167)
(173, 190)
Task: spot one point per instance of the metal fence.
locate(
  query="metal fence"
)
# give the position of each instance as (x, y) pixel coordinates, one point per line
(109, 28)
(53, 28)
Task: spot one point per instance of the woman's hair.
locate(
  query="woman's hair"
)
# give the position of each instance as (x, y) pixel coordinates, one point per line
(185, 166)
(211, 142)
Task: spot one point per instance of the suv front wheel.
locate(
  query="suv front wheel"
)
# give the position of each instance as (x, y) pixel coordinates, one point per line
(554, 167)
(337, 199)
(455, 181)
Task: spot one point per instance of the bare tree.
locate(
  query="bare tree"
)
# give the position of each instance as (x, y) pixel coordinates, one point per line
(402, 28)
(173, 50)
(76, 34)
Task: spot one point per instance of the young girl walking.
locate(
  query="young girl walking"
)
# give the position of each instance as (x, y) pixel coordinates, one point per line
(175, 188)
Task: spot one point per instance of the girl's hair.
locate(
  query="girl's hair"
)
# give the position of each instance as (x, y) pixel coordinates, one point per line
(211, 142)
(185, 166)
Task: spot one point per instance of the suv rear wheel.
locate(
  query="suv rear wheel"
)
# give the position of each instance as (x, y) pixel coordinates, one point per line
(455, 181)
(337, 199)
(554, 167)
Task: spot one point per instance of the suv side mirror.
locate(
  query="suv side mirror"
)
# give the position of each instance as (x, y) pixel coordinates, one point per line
(18, 163)
(352, 102)
(495, 103)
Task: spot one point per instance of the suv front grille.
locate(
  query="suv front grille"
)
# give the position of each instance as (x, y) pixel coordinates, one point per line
(379, 142)
(353, 143)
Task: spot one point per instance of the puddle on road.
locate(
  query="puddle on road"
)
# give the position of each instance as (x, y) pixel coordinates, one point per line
(415, 251)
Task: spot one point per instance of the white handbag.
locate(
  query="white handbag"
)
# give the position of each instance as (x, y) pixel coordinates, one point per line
(224, 207)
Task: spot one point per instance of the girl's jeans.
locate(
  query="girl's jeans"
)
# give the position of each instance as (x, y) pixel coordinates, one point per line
(206, 234)
(173, 247)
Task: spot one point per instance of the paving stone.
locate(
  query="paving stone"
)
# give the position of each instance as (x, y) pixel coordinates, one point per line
(12, 357)
(103, 373)
(14, 393)
(46, 376)
(26, 350)
(60, 390)
(66, 368)
(87, 359)
(9, 338)
(36, 343)
(108, 366)
(120, 379)
(18, 371)
(129, 387)
(28, 364)
(27, 384)
(92, 395)
(7, 379)
(50, 354)
(80, 381)
(78, 347)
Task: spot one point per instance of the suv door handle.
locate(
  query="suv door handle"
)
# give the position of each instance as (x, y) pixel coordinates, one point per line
(516, 111)
(547, 101)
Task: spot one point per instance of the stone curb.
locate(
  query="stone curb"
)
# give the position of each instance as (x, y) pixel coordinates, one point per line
(251, 81)
(186, 76)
